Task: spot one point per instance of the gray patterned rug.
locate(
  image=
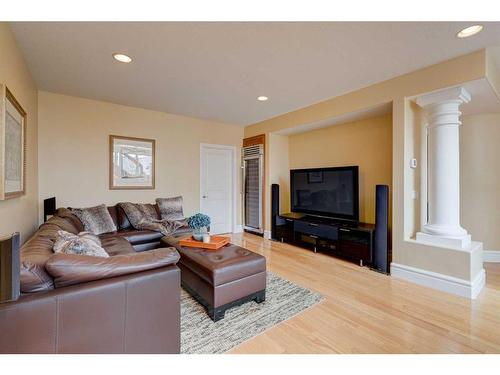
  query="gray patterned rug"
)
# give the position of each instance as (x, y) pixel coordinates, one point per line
(200, 335)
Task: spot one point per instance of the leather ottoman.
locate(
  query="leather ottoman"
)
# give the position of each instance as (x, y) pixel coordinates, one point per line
(221, 279)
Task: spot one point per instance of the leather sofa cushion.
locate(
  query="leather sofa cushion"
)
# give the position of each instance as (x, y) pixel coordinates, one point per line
(135, 236)
(119, 218)
(122, 219)
(34, 254)
(146, 246)
(34, 278)
(113, 214)
(69, 269)
(57, 223)
(37, 250)
(115, 245)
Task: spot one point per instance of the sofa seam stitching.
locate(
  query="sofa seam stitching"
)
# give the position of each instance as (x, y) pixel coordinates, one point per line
(125, 319)
(56, 349)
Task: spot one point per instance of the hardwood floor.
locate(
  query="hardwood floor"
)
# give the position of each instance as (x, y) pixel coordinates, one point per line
(367, 312)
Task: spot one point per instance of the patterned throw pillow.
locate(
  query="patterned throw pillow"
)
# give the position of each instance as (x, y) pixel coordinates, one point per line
(96, 220)
(170, 208)
(137, 213)
(84, 243)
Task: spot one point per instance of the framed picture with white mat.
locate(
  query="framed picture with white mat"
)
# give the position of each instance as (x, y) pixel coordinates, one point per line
(12, 145)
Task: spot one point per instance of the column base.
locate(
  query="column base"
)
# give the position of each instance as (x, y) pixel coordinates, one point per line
(460, 242)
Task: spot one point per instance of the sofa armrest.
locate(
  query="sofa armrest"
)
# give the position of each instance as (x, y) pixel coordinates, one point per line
(135, 313)
(70, 269)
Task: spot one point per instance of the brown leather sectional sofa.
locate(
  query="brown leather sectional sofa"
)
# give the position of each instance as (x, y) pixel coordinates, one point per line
(130, 306)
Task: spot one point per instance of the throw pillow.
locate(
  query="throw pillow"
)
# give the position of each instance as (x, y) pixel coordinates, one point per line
(137, 213)
(170, 208)
(84, 243)
(96, 220)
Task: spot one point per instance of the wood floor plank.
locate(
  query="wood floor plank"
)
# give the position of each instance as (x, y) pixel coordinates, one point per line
(367, 312)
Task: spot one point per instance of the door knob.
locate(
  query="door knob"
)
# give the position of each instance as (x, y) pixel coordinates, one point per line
(204, 196)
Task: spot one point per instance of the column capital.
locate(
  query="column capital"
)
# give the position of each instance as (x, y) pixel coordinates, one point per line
(452, 94)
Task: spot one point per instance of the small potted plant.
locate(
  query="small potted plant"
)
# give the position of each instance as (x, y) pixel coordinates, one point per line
(199, 224)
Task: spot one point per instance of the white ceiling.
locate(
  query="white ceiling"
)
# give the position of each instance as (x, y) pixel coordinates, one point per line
(216, 70)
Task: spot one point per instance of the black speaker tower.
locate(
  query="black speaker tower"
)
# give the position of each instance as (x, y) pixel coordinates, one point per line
(49, 207)
(275, 209)
(380, 248)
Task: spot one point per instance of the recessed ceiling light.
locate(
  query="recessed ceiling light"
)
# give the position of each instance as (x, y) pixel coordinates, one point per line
(262, 98)
(469, 31)
(122, 58)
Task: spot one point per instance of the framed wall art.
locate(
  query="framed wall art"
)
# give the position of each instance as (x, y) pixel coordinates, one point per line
(12, 146)
(131, 163)
(315, 177)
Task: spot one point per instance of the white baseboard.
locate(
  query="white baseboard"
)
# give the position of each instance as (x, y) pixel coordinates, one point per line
(491, 256)
(238, 228)
(445, 283)
(478, 284)
(267, 234)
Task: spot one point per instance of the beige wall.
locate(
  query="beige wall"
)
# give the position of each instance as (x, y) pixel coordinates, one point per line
(73, 157)
(493, 68)
(366, 143)
(277, 172)
(480, 178)
(20, 214)
(413, 128)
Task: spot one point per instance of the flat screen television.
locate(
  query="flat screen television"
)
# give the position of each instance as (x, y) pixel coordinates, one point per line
(331, 192)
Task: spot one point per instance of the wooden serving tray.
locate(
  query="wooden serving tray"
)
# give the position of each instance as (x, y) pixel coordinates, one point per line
(216, 242)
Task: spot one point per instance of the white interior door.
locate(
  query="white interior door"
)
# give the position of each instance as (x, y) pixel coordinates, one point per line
(216, 186)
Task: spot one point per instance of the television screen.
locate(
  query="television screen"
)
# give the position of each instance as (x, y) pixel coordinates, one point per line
(329, 192)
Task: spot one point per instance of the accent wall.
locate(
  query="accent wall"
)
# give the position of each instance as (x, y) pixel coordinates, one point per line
(365, 143)
(480, 178)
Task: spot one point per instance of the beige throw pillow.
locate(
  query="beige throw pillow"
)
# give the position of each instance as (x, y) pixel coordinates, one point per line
(84, 243)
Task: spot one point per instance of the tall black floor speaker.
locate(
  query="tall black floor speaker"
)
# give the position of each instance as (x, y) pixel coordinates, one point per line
(9, 268)
(275, 209)
(49, 207)
(380, 249)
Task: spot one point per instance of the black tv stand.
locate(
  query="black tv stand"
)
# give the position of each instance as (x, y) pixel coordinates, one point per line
(347, 239)
(328, 220)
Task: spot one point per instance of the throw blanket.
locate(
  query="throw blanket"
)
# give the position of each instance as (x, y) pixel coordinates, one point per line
(144, 217)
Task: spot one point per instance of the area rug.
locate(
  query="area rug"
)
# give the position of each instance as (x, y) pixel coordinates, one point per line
(200, 335)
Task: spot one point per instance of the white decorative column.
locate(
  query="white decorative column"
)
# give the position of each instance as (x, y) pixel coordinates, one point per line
(442, 115)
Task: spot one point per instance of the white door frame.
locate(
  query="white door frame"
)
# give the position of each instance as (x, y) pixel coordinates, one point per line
(234, 226)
